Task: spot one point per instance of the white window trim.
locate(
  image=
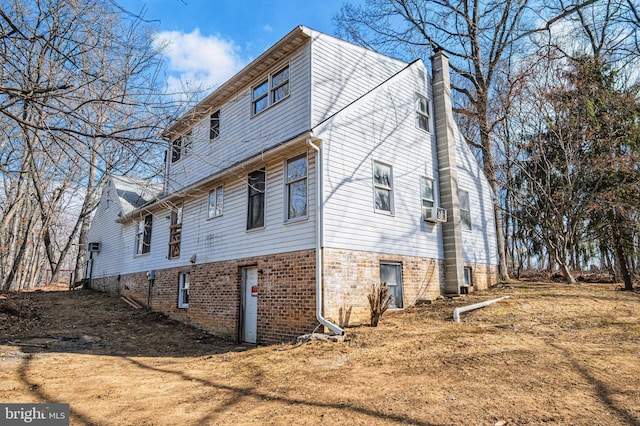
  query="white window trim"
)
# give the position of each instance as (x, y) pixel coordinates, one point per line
(376, 186)
(468, 194)
(419, 112)
(210, 119)
(182, 288)
(270, 90)
(264, 206)
(286, 189)
(140, 236)
(433, 192)
(218, 190)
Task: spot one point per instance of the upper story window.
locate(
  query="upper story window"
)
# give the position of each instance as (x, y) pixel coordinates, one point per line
(270, 91)
(215, 202)
(214, 125)
(296, 187)
(426, 191)
(422, 112)
(465, 210)
(382, 187)
(175, 233)
(255, 211)
(180, 147)
(143, 235)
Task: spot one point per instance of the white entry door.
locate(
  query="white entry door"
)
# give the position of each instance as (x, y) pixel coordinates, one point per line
(249, 304)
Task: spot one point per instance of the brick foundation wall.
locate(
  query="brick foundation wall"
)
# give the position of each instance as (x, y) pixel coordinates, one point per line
(348, 276)
(286, 298)
(483, 276)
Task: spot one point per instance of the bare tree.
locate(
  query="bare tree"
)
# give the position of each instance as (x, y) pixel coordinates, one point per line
(78, 100)
(480, 37)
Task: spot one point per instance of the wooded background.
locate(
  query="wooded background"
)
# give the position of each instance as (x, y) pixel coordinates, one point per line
(546, 92)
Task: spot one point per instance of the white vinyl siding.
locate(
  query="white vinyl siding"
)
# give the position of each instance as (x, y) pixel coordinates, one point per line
(344, 72)
(381, 126)
(244, 135)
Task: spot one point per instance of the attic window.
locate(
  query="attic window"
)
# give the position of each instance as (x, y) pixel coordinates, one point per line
(270, 91)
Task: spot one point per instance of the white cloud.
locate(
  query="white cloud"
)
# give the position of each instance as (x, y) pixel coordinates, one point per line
(196, 61)
(267, 28)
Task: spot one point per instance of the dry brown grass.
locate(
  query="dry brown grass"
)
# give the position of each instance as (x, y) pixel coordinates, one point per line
(552, 353)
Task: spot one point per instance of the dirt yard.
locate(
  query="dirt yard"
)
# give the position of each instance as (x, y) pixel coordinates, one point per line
(550, 354)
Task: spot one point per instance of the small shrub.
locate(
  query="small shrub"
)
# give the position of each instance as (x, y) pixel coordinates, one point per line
(379, 301)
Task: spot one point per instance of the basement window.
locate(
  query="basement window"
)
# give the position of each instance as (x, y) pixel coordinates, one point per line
(183, 290)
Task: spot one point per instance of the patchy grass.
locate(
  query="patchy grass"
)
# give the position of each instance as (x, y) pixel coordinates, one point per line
(552, 353)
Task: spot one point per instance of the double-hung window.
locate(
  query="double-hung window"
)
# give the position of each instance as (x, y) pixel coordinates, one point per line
(382, 187)
(296, 186)
(143, 235)
(215, 202)
(426, 192)
(422, 112)
(270, 91)
(183, 290)
(214, 125)
(255, 210)
(465, 210)
(175, 233)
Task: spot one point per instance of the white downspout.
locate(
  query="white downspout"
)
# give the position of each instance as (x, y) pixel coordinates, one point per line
(319, 216)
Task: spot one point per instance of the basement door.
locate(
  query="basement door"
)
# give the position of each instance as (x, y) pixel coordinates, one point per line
(249, 305)
(391, 273)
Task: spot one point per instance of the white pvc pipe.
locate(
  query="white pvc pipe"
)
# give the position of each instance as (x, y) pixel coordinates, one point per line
(458, 311)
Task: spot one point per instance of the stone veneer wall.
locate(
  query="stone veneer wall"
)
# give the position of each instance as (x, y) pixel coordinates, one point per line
(286, 298)
(348, 276)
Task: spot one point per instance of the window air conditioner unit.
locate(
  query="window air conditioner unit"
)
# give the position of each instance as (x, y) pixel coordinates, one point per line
(434, 214)
(94, 247)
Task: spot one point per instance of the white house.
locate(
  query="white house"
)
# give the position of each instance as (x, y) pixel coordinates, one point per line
(319, 169)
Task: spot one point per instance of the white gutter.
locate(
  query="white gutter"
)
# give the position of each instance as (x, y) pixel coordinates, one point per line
(319, 215)
(458, 311)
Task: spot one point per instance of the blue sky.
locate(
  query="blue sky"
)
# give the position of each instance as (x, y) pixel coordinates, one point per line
(208, 41)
